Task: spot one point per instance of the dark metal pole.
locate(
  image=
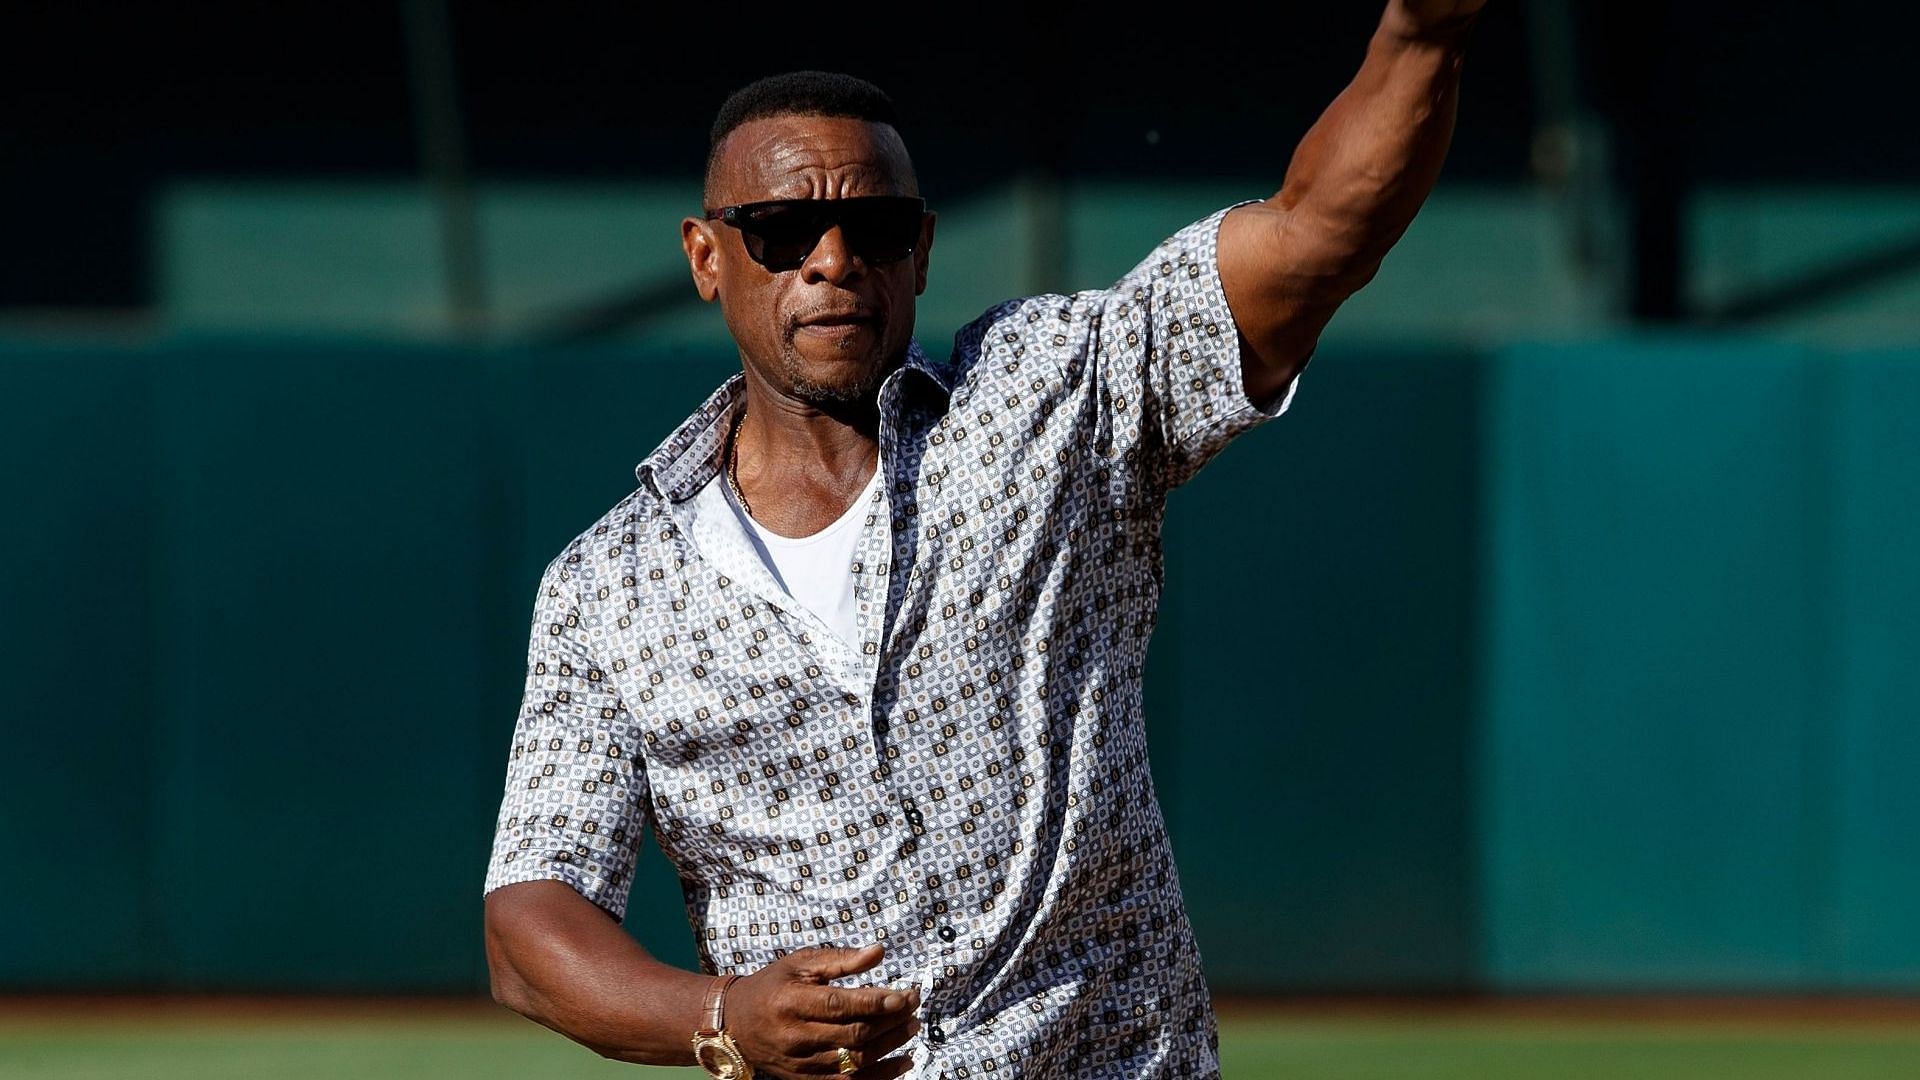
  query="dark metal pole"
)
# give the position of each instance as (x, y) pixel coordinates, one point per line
(1572, 158)
(1040, 187)
(1651, 107)
(443, 159)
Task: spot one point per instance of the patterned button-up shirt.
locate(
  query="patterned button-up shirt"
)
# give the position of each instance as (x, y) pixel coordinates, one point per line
(966, 783)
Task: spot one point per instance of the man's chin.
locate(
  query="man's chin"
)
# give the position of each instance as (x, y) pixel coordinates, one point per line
(840, 380)
(827, 395)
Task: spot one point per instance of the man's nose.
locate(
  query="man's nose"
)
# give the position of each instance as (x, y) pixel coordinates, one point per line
(831, 260)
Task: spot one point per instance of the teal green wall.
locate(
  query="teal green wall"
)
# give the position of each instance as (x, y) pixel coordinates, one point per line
(1700, 746)
(1311, 683)
(1560, 666)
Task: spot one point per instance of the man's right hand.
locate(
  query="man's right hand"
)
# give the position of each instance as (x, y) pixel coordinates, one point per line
(787, 1019)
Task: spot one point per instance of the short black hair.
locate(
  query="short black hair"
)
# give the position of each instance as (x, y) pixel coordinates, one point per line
(800, 93)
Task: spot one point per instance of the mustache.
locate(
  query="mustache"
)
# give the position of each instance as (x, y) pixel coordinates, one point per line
(835, 313)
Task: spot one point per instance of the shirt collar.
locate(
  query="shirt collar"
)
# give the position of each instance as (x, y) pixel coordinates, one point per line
(689, 459)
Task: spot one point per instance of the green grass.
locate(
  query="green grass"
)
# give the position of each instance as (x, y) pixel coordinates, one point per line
(507, 1048)
(1505, 1050)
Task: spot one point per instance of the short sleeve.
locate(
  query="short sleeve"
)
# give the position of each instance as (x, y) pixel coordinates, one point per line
(576, 795)
(1167, 345)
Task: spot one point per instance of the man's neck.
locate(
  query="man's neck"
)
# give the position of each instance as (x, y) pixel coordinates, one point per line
(800, 464)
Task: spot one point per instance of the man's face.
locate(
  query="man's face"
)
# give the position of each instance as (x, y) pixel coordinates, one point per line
(829, 331)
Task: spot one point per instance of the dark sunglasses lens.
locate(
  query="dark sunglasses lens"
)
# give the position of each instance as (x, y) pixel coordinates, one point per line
(881, 232)
(781, 236)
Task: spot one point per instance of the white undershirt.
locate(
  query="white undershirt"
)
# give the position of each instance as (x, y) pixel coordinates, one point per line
(817, 570)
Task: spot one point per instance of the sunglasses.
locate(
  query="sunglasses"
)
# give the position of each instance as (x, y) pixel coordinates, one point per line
(781, 233)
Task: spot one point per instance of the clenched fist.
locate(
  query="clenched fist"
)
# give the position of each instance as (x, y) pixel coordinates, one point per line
(788, 1020)
(1431, 15)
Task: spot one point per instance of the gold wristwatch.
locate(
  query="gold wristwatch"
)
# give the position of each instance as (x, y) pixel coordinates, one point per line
(712, 1047)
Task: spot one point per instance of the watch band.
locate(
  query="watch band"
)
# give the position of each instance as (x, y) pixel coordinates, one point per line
(713, 1048)
(717, 1002)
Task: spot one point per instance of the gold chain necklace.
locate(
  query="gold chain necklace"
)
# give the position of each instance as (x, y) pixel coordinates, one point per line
(733, 459)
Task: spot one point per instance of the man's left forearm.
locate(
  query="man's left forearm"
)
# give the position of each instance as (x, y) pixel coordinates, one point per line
(1354, 184)
(1364, 169)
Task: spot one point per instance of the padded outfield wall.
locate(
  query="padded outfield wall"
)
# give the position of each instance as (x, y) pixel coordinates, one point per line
(1573, 666)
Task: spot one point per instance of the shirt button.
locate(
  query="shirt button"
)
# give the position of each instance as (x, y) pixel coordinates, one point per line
(946, 933)
(935, 1035)
(914, 819)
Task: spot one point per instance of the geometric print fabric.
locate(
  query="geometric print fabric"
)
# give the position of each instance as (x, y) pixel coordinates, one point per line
(967, 781)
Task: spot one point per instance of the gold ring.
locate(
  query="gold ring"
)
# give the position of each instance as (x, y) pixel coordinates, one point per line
(847, 1062)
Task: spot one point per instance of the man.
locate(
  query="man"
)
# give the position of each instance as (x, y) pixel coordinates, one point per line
(863, 650)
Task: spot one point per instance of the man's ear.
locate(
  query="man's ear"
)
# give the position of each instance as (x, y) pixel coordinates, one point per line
(920, 253)
(703, 256)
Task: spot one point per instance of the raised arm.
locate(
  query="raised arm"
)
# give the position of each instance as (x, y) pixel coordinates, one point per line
(1353, 187)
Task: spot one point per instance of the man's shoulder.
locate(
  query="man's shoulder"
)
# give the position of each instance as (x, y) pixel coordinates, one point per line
(1009, 316)
(640, 519)
(1065, 327)
(1186, 250)
(1020, 325)
(609, 543)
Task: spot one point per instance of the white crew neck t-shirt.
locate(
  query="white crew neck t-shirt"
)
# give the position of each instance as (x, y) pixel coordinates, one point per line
(817, 570)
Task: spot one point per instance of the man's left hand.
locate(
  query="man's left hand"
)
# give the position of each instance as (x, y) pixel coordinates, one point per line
(1431, 15)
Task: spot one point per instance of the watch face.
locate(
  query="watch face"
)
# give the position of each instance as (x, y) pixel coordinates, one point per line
(720, 1059)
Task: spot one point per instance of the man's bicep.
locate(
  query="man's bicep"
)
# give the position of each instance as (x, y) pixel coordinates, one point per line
(1284, 283)
(576, 796)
